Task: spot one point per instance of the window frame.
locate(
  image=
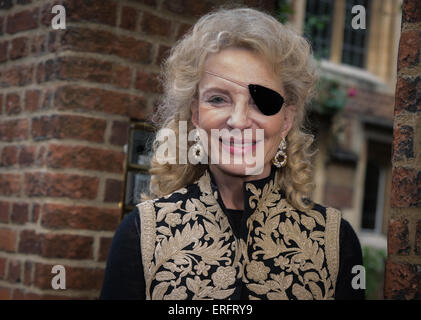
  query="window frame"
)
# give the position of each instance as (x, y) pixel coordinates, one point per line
(129, 165)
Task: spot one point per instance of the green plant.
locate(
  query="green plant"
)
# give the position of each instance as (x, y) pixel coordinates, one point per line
(283, 10)
(332, 97)
(374, 262)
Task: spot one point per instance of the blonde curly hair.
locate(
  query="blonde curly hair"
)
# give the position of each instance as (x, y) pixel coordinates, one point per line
(290, 56)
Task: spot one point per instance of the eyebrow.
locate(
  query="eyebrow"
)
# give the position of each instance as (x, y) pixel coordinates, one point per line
(207, 92)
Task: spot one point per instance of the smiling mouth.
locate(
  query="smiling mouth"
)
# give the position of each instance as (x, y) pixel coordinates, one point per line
(232, 142)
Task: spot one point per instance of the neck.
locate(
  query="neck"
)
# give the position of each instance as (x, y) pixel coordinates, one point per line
(231, 186)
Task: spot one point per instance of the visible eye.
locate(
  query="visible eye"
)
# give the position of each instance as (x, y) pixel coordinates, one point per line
(216, 100)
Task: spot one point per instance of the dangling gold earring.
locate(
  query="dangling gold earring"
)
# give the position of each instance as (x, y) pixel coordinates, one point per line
(198, 151)
(280, 159)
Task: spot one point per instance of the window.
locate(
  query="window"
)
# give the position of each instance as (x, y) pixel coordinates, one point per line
(139, 153)
(318, 26)
(371, 201)
(355, 40)
(376, 187)
(329, 29)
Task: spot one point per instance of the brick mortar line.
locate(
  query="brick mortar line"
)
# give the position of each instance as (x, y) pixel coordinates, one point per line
(31, 60)
(116, 31)
(405, 116)
(39, 145)
(149, 67)
(410, 259)
(68, 171)
(412, 235)
(411, 215)
(405, 212)
(45, 230)
(108, 132)
(95, 248)
(154, 56)
(411, 26)
(75, 263)
(16, 8)
(92, 85)
(17, 166)
(63, 201)
(118, 13)
(67, 293)
(81, 83)
(52, 112)
(410, 73)
(413, 163)
(87, 85)
(138, 27)
(40, 30)
(159, 11)
(76, 143)
(101, 189)
(71, 293)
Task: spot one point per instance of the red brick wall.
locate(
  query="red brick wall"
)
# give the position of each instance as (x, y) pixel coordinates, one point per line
(66, 99)
(403, 267)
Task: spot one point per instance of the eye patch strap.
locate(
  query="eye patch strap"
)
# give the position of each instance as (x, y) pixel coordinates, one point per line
(219, 76)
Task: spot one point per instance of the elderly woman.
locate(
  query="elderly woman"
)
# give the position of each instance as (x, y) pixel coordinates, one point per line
(219, 229)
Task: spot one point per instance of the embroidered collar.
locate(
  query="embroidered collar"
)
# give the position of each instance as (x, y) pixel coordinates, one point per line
(255, 191)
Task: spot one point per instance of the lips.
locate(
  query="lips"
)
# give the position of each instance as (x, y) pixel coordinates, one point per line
(238, 146)
(238, 142)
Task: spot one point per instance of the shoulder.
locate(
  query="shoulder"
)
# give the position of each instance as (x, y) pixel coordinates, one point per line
(327, 211)
(341, 228)
(328, 217)
(128, 229)
(176, 197)
(349, 242)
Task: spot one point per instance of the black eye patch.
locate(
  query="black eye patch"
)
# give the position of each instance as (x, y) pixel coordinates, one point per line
(267, 100)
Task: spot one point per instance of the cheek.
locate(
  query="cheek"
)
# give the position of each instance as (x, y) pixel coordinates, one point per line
(273, 129)
(211, 118)
(273, 134)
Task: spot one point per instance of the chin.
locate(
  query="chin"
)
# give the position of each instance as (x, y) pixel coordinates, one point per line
(238, 170)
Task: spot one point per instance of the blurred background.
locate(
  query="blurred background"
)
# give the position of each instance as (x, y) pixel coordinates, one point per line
(75, 140)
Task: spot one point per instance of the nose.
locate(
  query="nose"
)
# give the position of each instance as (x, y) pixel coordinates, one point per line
(239, 117)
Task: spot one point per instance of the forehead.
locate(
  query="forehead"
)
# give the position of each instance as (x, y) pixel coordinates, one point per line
(241, 65)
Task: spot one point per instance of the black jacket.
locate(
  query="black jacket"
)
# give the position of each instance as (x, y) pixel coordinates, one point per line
(196, 248)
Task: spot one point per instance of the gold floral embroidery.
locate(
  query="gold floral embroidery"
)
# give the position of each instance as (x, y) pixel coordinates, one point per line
(280, 235)
(224, 277)
(201, 268)
(333, 217)
(193, 252)
(257, 271)
(172, 219)
(189, 250)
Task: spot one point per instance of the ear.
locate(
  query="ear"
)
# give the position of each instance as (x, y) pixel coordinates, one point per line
(289, 116)
(194, 107)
